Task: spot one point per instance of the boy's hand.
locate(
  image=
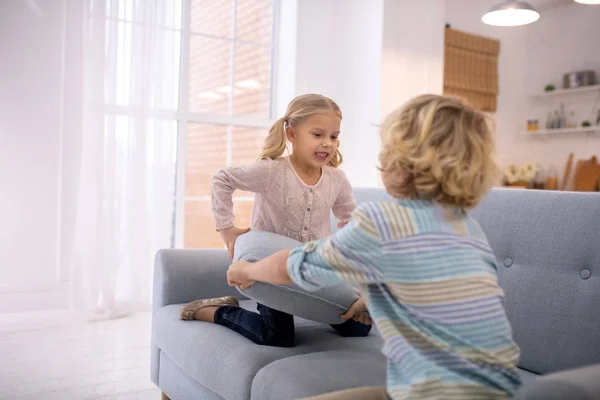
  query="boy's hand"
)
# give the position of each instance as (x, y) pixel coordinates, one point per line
(358, 311)
(229, 235)
(236, 275)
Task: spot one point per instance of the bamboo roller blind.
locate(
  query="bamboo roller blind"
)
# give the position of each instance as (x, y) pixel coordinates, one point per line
(471, 68)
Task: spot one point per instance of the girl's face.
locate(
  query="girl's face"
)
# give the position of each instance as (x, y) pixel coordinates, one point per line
(315, 140)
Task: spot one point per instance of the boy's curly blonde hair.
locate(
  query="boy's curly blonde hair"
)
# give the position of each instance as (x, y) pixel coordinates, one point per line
(438, 148)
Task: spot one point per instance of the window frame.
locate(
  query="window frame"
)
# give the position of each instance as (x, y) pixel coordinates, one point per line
(183, 116)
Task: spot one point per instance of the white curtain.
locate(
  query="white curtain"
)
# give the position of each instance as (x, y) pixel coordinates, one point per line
(126, 188)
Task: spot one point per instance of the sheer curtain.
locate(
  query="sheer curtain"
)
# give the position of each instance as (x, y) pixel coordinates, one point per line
(126, 187)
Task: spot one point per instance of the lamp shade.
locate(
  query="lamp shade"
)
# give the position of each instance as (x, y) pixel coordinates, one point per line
(511, 13)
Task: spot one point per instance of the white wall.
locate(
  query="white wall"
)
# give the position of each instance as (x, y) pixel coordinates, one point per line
(30, 103)
(403, 43)
(564, 39)
(71, 133)
(30, 153)
(413, 51)
(370, 56)
(338, 54)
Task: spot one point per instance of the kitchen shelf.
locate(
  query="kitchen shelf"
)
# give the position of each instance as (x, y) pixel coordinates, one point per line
(561, 92)
(563, 131)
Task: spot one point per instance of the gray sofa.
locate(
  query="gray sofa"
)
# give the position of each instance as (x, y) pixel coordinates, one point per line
(548, 250)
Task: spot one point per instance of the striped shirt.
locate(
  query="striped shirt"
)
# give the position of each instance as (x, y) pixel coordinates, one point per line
(430, 281)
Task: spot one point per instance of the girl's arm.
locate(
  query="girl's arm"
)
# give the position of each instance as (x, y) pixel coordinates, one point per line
(345, 204)
(254, 177)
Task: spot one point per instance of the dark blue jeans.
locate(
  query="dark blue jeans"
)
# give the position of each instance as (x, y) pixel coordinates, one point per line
(275, 328)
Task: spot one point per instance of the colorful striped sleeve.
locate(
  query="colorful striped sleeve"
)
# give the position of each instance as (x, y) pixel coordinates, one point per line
(347, 256)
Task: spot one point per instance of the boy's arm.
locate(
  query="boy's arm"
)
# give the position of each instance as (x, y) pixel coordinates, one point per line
(272, 269)
(352, 255)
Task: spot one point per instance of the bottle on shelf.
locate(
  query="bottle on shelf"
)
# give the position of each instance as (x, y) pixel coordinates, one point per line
(549, 124)
(562, 118)
(571, 122)
(538, 181)
(532, 125)
(551, 179)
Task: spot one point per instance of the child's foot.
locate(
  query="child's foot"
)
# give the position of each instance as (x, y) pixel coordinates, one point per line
(189, 310)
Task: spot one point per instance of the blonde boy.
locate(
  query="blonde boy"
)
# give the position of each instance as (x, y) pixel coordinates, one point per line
(426, 269)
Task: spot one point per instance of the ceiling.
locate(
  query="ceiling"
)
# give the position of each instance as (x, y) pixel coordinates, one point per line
(542, 5)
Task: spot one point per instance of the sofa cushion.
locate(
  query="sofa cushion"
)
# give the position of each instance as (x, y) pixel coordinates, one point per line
(317, 373)
(225, 362)
(324, 305)
(526, 376)
(302, 375)
(581, 384)
(178, 385)
(549, 267)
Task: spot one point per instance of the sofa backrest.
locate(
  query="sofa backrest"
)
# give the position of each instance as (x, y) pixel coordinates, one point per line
(548, 250)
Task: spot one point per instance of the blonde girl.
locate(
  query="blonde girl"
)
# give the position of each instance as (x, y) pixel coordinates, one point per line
(294, 197)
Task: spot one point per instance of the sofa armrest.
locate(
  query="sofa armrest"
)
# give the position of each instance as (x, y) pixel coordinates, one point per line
(181, 276)
(573, 384)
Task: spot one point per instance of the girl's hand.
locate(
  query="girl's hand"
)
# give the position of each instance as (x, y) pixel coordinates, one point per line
(358, 311)
(237, 276)
(229, 235)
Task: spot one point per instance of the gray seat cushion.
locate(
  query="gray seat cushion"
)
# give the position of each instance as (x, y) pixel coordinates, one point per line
(225, 362)
(317, 373)
(547, 245)
(527, 376)
(323, 305)
(581, 384)
(302, 375)
(178, 385)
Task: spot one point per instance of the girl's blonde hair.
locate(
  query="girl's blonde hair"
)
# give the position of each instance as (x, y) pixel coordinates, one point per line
(301, 108)
(438, 148)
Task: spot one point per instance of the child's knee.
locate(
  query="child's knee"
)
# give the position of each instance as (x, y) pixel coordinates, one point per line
(281, 340)
(360, 330)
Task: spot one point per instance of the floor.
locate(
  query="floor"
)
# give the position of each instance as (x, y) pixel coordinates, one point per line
(48, 355)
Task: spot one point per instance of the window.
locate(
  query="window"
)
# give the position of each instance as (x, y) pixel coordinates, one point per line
(211, 86)
(226, 104)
